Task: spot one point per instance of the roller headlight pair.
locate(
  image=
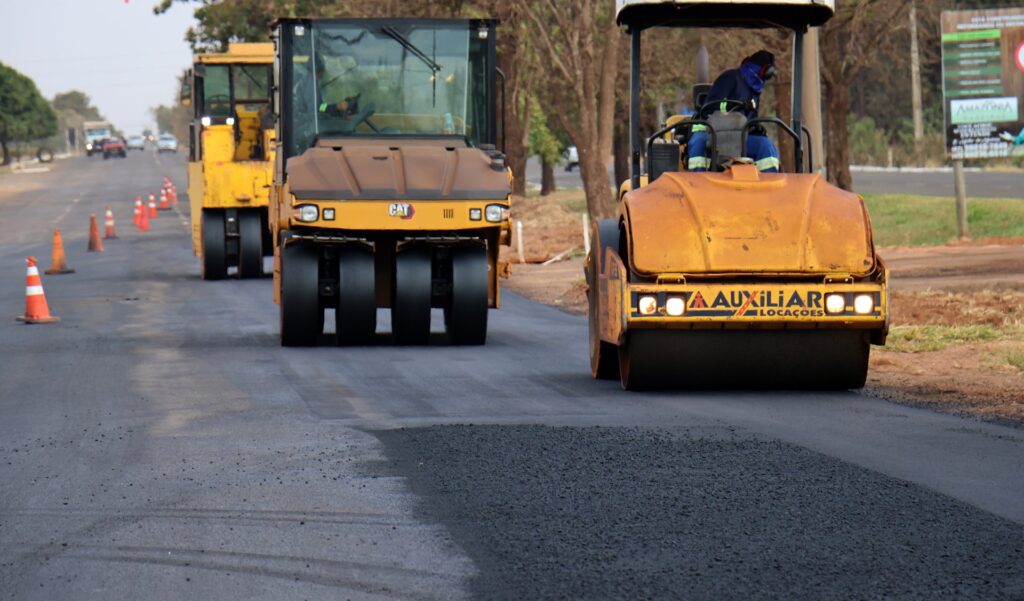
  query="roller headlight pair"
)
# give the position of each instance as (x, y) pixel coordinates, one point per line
(863, 304)
(648, 305)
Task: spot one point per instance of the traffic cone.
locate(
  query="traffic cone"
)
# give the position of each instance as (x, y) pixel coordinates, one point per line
(36, 309)
(144, 221)
(172, 192)
(95, 244)
(138, 210)
(109, 232)
(59, 263)
(152, 205)
(164, 206)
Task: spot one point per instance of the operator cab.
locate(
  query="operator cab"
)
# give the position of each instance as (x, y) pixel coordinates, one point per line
(727, 126)
(386, 82)
(233, 89)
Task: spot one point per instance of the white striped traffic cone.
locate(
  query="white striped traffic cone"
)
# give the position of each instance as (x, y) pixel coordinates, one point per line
(36, 309)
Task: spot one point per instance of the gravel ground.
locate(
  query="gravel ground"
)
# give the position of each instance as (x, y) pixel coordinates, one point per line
(628, 513)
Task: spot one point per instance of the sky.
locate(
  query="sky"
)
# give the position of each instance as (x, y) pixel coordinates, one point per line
(117, 51)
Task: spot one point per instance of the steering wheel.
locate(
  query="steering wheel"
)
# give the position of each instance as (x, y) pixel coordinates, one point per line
(730, 106)
(218, 100)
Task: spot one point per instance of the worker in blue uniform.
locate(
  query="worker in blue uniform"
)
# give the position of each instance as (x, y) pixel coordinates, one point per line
(743, 85)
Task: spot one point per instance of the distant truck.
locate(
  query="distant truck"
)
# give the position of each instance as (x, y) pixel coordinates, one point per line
(95, 133)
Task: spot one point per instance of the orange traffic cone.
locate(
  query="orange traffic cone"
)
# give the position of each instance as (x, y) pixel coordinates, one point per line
(144, 221)
(138, 210)
(95, 244)
(109, 232)
(59, 263)
(172, 192)
(152, 205)
(164, 205)
(36, 309)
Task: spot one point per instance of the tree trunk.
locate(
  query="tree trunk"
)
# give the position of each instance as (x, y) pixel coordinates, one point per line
(6, 154)
(547, 178)
(837, 163)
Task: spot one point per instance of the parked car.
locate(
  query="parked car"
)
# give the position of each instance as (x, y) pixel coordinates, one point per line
(166, 143)
(136, 143)
(572, 158)
(114, 147)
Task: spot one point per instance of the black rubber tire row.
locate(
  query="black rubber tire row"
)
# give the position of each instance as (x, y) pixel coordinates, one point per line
(302, 311)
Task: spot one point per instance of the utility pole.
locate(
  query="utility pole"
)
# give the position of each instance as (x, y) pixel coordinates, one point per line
(811, 94)
(915, 83)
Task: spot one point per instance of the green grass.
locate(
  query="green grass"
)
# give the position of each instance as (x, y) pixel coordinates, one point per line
(920, 339)
(1016, 359)
(906, 220)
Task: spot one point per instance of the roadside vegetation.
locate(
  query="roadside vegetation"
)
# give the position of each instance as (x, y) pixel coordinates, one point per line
(906, 220)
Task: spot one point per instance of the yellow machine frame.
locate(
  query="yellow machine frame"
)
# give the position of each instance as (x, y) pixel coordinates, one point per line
(222, 178)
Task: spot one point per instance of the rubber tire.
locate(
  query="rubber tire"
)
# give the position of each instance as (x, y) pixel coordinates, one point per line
(215, 261)
(302, 317)
(410, 296)
(604, 362)
(465, 313)
(250, 245)
(355, 315)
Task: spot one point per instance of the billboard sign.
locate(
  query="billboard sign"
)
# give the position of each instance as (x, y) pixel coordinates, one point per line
(983, 82)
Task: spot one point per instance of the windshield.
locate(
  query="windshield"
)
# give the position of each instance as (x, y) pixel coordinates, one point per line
(97, 133)
(387, 79)
(223, 84)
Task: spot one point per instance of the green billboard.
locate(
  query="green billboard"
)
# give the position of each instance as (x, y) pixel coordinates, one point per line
(983, 82)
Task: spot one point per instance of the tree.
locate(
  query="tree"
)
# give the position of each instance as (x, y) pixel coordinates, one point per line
(546, 144)
(78, 103)
(860, 31)
(24, 113)
(580, 42)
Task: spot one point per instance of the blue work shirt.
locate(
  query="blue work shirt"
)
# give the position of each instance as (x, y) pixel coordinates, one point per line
(741, 84)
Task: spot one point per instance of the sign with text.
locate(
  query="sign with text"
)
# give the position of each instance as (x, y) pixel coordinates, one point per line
(983, 82)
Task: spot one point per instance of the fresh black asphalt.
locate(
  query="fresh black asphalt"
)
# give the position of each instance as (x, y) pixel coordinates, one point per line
(630, 513)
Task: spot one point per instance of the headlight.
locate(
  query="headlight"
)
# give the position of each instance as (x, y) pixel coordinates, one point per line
(835, 303)
(474, 214)
(675, 306)
(206, 121)
(307, 213)
(230, 121)
(495, 213)
(647, 305)
(863, 304)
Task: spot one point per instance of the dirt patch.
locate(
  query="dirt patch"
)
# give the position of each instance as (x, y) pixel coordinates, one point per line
(944, 288)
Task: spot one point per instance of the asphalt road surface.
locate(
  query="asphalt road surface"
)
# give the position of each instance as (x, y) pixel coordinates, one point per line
(980, 184)
(158, 443)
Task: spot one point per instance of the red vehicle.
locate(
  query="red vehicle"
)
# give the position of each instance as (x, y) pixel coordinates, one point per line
(114, 147)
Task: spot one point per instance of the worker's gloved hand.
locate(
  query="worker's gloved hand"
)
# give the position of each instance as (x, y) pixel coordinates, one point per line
(352, 105)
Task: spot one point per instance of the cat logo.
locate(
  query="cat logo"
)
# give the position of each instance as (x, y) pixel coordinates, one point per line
(403, 210)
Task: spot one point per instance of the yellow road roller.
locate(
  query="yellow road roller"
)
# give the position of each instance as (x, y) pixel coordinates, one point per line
(389, 191)
(731, 277)
(230, 158)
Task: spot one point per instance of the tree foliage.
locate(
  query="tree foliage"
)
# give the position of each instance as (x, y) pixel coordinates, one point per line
(24, 113)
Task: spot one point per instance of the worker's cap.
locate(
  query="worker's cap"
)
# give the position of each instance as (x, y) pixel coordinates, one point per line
(762, 58)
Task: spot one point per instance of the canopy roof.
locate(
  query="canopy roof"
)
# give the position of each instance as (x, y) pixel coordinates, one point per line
(746, 14)
(241, 52)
